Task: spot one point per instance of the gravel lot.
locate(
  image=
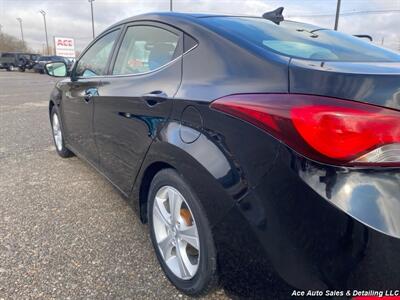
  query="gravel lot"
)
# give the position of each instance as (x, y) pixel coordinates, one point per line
(65, 232)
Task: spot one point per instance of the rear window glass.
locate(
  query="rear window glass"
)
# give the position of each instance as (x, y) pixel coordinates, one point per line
(300, 40)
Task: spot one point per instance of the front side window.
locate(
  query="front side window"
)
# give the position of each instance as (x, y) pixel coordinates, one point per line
(144, 49)
(94, 61)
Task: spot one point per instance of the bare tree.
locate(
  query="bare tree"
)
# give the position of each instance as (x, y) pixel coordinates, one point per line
(11, 43)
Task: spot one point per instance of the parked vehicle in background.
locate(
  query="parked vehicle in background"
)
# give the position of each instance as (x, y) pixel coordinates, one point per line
(70, 60)
(17, 60)
(264, 154)
(28, 61)
(43, 60)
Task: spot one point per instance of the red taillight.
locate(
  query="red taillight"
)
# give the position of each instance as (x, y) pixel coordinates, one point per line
(324, 129)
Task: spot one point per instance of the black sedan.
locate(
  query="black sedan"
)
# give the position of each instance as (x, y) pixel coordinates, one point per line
(264, 154)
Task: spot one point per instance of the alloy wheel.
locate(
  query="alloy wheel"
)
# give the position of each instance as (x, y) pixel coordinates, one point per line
(57, 132)
(176, 233)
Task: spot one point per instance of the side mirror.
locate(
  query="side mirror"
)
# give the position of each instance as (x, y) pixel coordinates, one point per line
(56, 69)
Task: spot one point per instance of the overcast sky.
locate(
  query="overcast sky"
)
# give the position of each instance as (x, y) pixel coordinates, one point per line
(71, 18)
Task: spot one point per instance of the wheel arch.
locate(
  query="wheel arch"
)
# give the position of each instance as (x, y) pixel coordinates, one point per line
(51, 105)
(215, 198)
(55, 97)
(145, 183)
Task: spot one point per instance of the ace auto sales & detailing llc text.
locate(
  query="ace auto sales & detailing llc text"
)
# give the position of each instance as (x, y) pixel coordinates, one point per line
(347, 293)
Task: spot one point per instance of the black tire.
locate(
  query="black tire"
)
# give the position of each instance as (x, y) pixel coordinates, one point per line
(64, 152)
(205, 279)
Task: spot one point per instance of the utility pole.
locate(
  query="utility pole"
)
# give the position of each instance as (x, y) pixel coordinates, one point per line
(91, 9)
(22, 32)
(45, 30)
(337, 14)
(170, 5)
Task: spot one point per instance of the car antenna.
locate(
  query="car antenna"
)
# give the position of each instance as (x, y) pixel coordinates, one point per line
(275, 15)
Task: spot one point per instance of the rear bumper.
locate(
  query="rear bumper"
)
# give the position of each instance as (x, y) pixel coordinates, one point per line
(312, 227)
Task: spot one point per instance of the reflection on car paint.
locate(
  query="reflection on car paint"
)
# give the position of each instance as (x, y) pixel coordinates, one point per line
(367, 195)
(151, 122)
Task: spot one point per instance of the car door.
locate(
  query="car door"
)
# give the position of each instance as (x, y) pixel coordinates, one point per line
(136, 98)
(81, 91)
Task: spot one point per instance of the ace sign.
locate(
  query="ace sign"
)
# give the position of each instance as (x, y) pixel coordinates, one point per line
(64, 47)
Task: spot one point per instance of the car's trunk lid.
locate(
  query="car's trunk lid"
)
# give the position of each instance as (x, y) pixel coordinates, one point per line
(373, 82)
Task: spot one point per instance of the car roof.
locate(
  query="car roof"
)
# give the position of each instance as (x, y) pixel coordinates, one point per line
(170, 17)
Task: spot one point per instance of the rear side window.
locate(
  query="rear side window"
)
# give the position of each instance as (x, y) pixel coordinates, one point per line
(144, 49)
(94, 61)
(300, 40)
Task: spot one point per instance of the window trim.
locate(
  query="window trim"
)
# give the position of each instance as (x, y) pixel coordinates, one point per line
(117, 40)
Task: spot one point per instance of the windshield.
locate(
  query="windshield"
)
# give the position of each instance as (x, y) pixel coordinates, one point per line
(301, 40)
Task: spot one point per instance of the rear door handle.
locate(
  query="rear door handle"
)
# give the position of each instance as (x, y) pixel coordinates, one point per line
(89, 93)
(155, 97)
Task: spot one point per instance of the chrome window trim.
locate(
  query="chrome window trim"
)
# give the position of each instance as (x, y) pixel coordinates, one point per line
(143, 73)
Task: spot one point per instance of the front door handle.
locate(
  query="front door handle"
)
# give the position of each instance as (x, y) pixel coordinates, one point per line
(89, 93)
(155, 97)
